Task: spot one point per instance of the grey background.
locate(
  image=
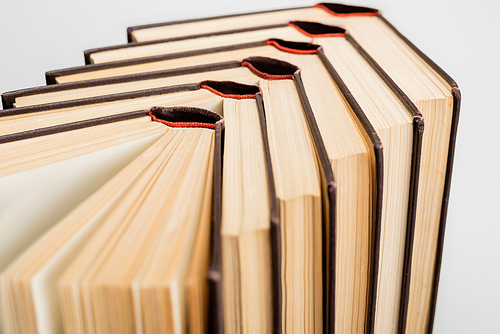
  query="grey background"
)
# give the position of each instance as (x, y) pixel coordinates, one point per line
(460, 36)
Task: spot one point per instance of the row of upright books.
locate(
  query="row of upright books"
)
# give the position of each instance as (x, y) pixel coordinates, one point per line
(284, 171)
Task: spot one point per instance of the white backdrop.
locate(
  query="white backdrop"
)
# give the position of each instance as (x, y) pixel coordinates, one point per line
(461, 36)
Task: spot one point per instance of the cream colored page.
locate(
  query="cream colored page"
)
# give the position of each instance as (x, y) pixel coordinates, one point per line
(21, 155)
(164, 221)
(136, 216)
(20, 123)
(32, 153)
(288, 33)
(241, 74)
(49, 192)
(237, 22)
(76, 321)
(43, 284)
(188, 213)
(195, 282)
